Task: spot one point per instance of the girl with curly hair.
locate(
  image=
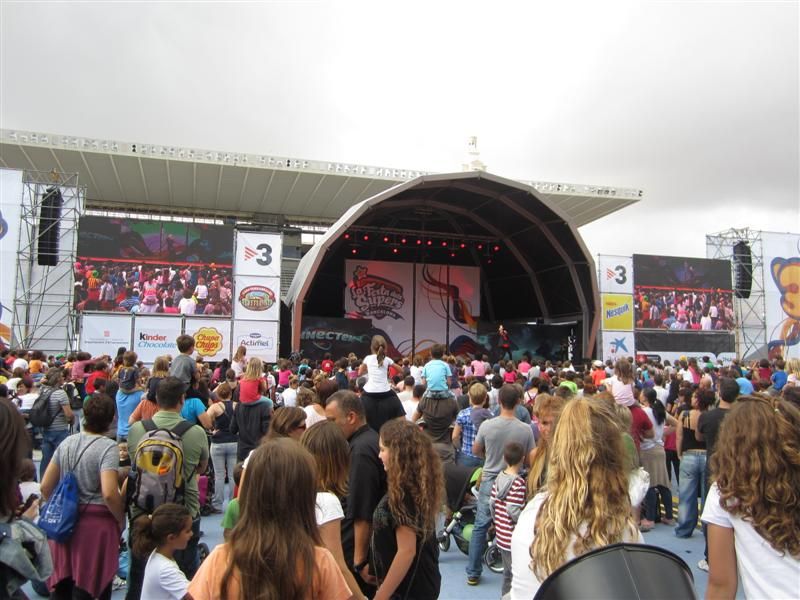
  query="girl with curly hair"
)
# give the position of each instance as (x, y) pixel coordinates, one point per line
(753, 507)
(405, 552)
(585, 503)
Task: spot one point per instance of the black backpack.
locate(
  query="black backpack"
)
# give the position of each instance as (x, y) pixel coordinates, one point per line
(39, 415)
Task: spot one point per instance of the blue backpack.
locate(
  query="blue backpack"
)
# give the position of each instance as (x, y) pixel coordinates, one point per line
(59, 516)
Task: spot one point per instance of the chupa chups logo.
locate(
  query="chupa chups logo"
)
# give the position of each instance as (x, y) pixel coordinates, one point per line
(207, 341)
(375, 296)
(257, 298)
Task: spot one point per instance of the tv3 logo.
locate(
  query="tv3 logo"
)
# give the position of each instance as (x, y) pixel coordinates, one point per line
(262, 253)
(621, 274)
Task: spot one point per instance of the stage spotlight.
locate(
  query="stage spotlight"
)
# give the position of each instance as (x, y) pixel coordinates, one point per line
(354, 251)
(452, 254)
(462, 245)
(419, 242)
(496, 248)
(347, 236)
(489, 261)
(430, 242)
(394, 250)
(444, 244)
(386, 239)
(480, 246)
(402, 240)
(366, 237)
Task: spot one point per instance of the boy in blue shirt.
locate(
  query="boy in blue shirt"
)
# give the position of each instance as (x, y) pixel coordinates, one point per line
(435, 375)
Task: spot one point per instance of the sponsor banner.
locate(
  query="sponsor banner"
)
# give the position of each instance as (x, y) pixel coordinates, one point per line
(258, 254)
(212, 337)
(257, 298)
(617, 312)
(616, 344)
(782, 293)
(155, 336)
(383, 292)
(259, 337)
(616, 274)
(10, 212)
(685, 342)
(725, 357)
(104, 334)
(340, 337)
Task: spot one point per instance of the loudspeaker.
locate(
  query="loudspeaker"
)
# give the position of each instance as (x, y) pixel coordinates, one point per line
(743, 269)
(49, 219)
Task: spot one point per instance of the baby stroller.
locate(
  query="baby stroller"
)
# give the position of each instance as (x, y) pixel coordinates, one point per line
(460, 484)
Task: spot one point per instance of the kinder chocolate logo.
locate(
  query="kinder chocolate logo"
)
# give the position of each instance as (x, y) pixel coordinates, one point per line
(207, 341)
(257, 298)
(375, 296)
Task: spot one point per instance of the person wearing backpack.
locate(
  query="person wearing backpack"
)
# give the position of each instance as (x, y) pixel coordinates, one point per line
(86, 555)
(162, 443)
(51, 412)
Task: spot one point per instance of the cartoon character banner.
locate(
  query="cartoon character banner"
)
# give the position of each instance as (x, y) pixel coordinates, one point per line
(616, 274)
(212, 337)
(782, 293)
(257, 298)
(10, 211)
(384, 292)
(259, 337)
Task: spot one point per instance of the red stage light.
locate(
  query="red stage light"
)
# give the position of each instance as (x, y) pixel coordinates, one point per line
(366, 237)
(354, 251)
(403, 240)
(394, 250)
(463, 245)
(419, 242)
(347, 236)
(385, 239)
(452, 254)
(496, 248)
(444, 244)
(429, 242)
(489, 261)
(480, 246)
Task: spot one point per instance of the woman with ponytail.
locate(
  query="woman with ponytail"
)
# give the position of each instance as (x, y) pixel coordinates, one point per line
(158, 536)
(380, 401)
(654, 461)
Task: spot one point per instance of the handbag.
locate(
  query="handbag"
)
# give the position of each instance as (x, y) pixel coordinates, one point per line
(59, 515)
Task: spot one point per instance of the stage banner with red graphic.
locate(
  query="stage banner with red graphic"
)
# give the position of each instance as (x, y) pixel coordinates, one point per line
(616, 274)
(383, 292)
(447, 304)
(212, 337)
(258, 254)
(257, 298)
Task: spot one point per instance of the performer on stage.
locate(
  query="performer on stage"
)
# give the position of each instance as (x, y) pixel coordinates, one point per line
(505, 343)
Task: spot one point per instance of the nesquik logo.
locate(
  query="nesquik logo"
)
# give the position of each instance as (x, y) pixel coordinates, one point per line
(375, 296)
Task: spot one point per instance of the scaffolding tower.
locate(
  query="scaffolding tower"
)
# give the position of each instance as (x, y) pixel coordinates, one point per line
(43, 298)
(751, 318)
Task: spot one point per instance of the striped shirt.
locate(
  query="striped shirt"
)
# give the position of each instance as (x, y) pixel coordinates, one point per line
(503, 523)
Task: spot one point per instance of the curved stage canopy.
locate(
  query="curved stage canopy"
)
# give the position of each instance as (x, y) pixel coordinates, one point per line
(534, 266)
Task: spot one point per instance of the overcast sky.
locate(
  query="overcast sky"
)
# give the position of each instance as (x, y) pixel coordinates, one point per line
(696, 103)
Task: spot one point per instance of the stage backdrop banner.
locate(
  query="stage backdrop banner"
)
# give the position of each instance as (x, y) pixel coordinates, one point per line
(258, 254)
(447, 304)
(10, 212)
(259, 337)
(155, 336)
(257, 298)
(212, 337)
(104, 334)
(617, 312)
(340, 337)
(617, 344)
(616, 274)
(383, 292)
(782, 293)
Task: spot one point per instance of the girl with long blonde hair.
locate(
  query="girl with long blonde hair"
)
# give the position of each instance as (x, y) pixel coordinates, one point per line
(753, 507)
(585, 503)
(547, 409)
(239, 361)
(274, 551)
(405, 552)
(252, 385)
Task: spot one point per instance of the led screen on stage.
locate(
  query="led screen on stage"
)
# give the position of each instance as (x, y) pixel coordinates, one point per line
(682, 294)
(148, 266)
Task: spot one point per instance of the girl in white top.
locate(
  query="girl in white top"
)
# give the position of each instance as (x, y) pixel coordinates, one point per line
(753, 508)
(168, 529)
(327, 444)
(239, 361)
(376, 366)
(586, 448)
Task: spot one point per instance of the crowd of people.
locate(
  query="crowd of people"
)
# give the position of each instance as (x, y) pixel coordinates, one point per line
(330, 474)
(679, 309)
(167, 289)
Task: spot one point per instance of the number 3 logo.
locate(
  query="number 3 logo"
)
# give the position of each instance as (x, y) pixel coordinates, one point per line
(266, 254)
(622, 274)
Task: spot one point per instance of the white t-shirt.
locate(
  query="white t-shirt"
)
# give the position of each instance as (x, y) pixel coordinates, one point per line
(416, 373)
(163, 579)
(312, 416)
(410, 406)
(524, 583)
(764, 572)
(19, 363)
(328, 508)
(289, 396)
(658, 430)
(377, 376)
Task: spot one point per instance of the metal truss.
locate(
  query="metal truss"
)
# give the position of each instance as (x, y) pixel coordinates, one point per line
(751, 331)
(43, 317)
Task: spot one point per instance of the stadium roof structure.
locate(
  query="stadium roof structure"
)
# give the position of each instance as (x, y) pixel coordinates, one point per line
(543, 269)
(153, 178)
